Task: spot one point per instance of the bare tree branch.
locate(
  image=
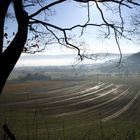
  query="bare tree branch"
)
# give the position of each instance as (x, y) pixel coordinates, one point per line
(46, 7)
(4, 4)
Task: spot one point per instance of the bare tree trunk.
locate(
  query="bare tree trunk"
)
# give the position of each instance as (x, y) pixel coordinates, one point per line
(11, 55)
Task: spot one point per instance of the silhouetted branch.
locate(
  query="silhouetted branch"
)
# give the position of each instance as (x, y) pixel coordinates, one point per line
(8, 132)
(4, 4)
(116, 29)
(46, 7)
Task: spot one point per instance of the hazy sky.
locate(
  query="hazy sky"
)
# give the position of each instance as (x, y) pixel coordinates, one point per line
(71, 13)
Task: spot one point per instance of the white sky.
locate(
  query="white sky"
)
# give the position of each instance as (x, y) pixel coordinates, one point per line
(71, 13)
(68, 14)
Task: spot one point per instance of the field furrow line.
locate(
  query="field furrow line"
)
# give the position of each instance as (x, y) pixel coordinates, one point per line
(93, 107)
(69, 94)
(94, 98)
(81, 96)
(125, 108)
(42, 99)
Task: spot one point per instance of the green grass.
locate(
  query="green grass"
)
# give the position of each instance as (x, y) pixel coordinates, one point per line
(38, 125)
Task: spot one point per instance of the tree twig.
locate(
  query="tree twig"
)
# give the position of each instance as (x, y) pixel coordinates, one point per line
(8, 132)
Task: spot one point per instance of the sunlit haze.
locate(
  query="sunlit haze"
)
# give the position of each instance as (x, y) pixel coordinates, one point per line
(94, 41)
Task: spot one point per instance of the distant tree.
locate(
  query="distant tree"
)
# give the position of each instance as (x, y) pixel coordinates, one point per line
(34, 29)
(34, 76)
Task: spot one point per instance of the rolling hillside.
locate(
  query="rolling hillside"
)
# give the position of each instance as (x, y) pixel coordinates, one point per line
(130, 65)
(134, 58)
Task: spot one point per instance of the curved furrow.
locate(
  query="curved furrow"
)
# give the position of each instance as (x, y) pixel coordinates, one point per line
(122, 110)
(54, 92)
(84, 101)
(94, 98)
(65, 89)
(122, 94)
(83, 95)
(82, 106)
(112, 107)
(70, 94)
(65, 95)
(79, 102)
(35, 94)
(71, 102)
(133, 112)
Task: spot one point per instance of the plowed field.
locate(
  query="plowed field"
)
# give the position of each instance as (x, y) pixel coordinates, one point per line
(73, 103)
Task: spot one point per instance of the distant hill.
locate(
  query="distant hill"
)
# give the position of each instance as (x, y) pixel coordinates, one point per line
(134, 58)
(129, 64)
